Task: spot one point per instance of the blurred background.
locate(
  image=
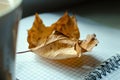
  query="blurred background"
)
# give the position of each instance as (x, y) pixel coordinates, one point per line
(105, 12)
(41, 6)
(83, 7)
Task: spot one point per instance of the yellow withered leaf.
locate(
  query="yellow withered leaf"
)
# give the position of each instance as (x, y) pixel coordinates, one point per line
(60, 40)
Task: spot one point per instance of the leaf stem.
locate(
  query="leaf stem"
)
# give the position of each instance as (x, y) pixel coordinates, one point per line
(23, 51)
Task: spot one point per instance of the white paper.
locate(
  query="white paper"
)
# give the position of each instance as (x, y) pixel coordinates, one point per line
(30, 66)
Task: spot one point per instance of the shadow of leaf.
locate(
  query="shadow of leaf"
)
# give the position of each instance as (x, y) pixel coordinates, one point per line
(75, 67)
(85, 60)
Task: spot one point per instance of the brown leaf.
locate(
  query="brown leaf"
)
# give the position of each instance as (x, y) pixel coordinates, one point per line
(60, 40)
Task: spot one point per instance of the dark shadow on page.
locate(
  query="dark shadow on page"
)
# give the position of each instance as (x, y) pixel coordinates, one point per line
(84, 60)
(77, 67)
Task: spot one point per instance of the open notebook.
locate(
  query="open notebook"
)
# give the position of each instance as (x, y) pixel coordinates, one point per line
(30, 66)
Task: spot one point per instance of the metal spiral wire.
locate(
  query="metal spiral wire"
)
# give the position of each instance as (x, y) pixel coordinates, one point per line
(107, 66)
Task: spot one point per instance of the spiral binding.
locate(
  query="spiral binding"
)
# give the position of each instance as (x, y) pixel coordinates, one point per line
(106, 67)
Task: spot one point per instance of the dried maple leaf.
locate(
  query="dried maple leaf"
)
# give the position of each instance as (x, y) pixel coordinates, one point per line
(60, 40)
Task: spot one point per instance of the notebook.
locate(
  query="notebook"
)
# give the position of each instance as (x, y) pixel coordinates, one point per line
(30, 66)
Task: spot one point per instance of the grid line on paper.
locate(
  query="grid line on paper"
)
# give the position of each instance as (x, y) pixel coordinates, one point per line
(30, 66)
